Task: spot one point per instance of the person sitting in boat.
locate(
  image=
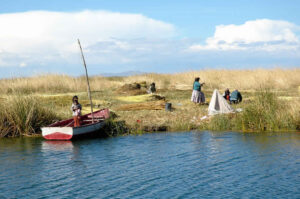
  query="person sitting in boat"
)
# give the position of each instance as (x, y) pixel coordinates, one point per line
(76, 109)
(226, 94)
(197, 96)
(236, 97)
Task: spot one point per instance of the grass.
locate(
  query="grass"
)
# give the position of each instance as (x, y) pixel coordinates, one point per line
(113, 127)
(23, 116)
(266, 112)
(274, 79)
(271, 101)
(136, 98)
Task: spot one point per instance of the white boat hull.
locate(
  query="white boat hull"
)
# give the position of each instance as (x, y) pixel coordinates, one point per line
(67, 133)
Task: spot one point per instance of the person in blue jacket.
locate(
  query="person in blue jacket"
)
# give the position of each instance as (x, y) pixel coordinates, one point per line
(236, 97)
(197, 96)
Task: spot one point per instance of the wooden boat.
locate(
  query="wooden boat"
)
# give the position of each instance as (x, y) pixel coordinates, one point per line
(65, 130)
(90, 123)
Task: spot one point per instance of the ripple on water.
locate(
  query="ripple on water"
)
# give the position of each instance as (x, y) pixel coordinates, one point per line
(162, 165)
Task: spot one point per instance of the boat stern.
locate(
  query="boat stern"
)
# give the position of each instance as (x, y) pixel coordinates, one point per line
(57, 133)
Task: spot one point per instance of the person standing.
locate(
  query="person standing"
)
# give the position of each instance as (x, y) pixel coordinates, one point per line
(197, 96)
(76, 109)
(152, 88)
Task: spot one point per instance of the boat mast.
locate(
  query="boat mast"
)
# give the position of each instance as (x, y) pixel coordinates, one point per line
(87, 80)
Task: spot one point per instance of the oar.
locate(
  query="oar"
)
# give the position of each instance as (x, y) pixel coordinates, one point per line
(87, 80)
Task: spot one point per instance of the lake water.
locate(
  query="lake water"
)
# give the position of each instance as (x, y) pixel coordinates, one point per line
(159, 165)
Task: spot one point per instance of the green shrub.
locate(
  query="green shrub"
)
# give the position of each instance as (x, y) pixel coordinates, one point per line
(220, 122)
(114, 128)
(266, 113)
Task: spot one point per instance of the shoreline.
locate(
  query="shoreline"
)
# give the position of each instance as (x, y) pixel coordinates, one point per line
(136, 122)
(137, 133)
(270, 106)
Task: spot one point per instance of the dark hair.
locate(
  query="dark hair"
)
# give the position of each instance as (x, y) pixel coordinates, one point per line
(197, 79)
(74, 97)
(227, 92)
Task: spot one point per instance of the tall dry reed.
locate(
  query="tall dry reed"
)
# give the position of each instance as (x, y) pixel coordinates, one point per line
(277, 79)
(234, 79)
(52, 83)
(23, 116)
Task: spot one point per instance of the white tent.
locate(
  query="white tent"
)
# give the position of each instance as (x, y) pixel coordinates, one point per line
(218, 104)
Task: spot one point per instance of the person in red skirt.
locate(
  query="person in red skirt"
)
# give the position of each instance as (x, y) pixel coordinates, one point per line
(226, 94)
(76, 109)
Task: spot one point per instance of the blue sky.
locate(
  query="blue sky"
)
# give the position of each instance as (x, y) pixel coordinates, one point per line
(148, 36)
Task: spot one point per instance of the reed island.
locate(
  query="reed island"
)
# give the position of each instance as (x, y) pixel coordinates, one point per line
(271, 101)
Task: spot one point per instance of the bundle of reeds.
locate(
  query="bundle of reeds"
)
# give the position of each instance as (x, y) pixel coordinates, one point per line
(152, 105)
(133, 89)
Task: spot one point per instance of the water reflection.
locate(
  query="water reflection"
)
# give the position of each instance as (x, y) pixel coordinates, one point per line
(57, 145)
(167, 165)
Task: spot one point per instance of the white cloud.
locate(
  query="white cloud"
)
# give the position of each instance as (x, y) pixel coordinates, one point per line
(261, 34)
(42, 36)
(23, 64)
(47, 42)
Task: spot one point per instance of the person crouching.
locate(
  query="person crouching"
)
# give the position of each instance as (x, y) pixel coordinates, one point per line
(76, 109)
(236, 97)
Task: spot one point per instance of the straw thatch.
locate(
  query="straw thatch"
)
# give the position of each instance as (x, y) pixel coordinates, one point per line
(152, 105)
(133, 89)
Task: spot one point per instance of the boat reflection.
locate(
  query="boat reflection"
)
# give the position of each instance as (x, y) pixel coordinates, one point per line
(57, 145)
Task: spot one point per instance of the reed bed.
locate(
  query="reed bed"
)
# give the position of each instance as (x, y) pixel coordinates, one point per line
(155, 105)
(23, 116)
(271, 101)
(52, 83)
(265, 112)
(221, 79)
(277, 79)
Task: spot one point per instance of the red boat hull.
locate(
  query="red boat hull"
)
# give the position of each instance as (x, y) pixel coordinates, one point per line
(65, 130)
(58, 136)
